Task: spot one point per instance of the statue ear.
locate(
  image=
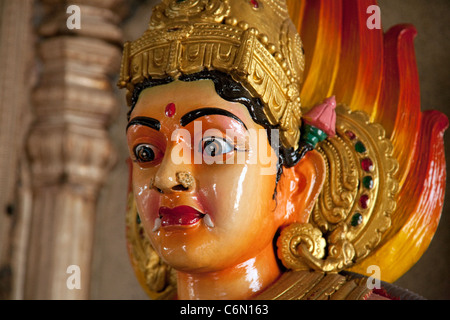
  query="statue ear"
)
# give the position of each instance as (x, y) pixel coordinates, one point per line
(300, 187)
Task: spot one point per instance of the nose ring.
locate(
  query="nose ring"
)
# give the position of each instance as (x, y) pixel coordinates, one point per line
(185, 179)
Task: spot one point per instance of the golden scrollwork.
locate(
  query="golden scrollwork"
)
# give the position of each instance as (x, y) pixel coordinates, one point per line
(307, 285)
(201, 10)
(297, 239)
(353, 209)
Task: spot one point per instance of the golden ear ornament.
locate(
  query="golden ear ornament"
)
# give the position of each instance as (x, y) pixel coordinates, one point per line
(353, 209)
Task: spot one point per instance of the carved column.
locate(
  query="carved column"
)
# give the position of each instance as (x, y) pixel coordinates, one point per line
(69, 147)
(16, 77)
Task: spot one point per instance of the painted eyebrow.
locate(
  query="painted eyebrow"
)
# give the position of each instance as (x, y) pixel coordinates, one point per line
(145, 121)
(195, 114)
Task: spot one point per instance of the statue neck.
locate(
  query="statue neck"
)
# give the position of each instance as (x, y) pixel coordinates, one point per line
(240, 282)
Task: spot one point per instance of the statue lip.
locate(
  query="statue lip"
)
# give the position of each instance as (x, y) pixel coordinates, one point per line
(179, 216)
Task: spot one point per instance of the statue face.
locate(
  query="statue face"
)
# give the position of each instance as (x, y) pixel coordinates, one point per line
(203, 189)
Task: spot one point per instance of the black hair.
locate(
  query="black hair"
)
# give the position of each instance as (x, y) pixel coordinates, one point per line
(229, 89)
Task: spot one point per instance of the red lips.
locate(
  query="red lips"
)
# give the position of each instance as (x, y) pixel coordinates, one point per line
(179, 216)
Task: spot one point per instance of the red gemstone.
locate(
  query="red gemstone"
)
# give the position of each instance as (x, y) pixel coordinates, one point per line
(170, 110)
(255, 4)
(367, 165)
(364, 201)
(350, 135)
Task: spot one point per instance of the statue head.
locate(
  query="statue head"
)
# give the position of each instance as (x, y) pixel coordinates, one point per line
(210, 189)
(224, 160)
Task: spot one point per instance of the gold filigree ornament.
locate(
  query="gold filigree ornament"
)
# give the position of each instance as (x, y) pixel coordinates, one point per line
(257, 45)
(353, 209)
(156, 277)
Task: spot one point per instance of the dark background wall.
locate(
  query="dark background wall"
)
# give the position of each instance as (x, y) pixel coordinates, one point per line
(113, 277)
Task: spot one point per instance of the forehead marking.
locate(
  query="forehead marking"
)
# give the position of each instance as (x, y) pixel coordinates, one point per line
(170, 110)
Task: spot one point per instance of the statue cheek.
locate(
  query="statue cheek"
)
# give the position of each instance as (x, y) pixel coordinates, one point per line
(239, 198)
(147, 200)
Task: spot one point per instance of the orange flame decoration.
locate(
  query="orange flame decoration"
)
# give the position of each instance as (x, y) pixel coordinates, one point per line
(377, 73)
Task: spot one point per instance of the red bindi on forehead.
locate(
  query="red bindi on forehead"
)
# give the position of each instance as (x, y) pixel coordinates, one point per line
(170, 110)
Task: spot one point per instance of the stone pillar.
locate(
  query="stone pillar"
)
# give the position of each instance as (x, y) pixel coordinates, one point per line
(69, 147)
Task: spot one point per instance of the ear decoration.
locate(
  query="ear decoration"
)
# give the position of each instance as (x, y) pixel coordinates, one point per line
(353, 209)
(320, 122)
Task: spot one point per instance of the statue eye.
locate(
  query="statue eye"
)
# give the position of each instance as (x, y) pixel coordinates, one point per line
(144, 153)
(213, 146)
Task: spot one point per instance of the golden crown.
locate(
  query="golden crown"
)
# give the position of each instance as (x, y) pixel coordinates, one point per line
(254, 41)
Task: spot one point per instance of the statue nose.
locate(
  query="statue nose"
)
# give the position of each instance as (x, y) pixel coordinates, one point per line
(179, 182)
(173, 176)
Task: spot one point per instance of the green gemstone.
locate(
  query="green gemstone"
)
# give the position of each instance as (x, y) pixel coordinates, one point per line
(356, 219)
(313, 135)
(367, 182)
(311, 139)
(360, 147)
(138, 219)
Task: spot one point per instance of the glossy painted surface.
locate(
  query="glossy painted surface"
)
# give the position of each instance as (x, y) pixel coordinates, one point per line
(232, 254)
